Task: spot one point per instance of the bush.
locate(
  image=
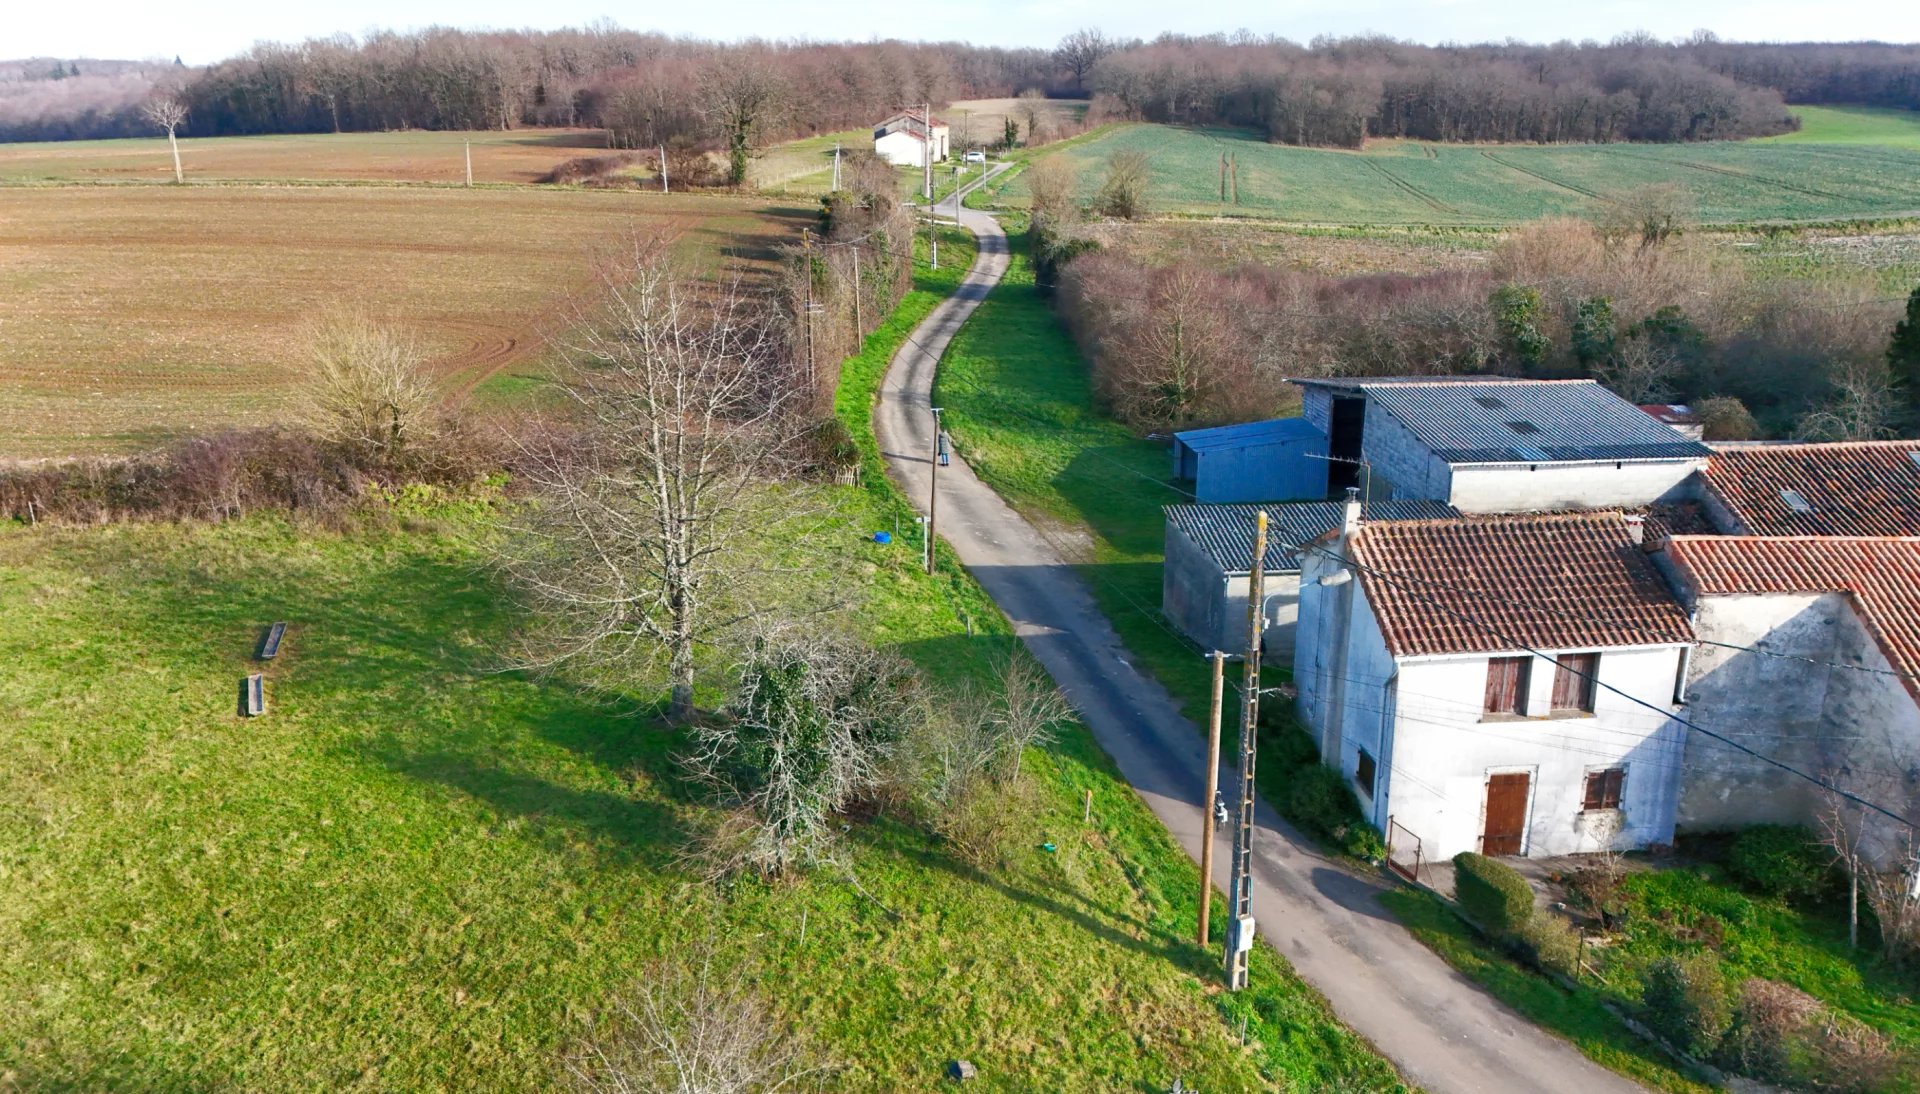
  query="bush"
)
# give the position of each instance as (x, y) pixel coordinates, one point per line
(1551, 943)
(1779, 860)
(1492, 892)
(1687, 1001)
(1319, 798)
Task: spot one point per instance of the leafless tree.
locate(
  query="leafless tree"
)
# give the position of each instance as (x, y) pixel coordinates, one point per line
(1648, 215)
(1029, 712)
(1881, 857)
(814, 721)
(1640, 371)
(742, 98)
(1054, 187)
(660, 498)
(1123, 193)
(1861, 410)
(1032, 106)
(1079, 51)
(692, 1024)
(169, 114)
(370, 389)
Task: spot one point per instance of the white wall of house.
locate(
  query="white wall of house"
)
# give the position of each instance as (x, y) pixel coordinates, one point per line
(1422, 721)
(1443, 749)
(901, 149)
(1829, 705)
(1521, 487)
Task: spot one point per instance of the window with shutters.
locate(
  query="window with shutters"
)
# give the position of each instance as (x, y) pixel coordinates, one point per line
(1507, 685)
(1604, 788)
(1573, 679)
(1363, 773)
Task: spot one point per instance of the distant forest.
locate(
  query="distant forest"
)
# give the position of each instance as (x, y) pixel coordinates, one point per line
(651, 89)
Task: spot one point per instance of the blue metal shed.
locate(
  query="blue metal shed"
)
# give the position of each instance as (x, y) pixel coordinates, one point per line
(1274, 460)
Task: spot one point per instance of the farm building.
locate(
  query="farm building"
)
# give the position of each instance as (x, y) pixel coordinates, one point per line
(1810, 655)
(1451, 670)
(1273, 460)
(1209, 555)
(1678, 415)
(1490, 445)
(907, 138)
(1849, 488)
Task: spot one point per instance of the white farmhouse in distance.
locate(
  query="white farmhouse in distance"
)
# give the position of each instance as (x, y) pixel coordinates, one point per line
(906, 139)
(1448, 668)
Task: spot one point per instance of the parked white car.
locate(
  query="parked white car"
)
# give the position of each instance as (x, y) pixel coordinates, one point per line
(976, 156)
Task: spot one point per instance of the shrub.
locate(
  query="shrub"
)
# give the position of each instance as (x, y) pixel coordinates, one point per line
(1687, 1000)
(1492, 892)
(1779, 860)
(1551, 943)
(1319, 798)
(1765, 1040)
(1724, 418)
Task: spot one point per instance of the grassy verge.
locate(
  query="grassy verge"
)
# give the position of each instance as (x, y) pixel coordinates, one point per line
(1577, 1016)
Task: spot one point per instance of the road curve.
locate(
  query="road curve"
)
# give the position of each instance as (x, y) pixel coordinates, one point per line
(1442, 1031)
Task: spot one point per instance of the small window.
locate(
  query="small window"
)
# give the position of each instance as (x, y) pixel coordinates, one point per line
(1573, 681)
(1604, 788)
(1523, 427)
(1795, 501)
(1363, 773)
(1507, 685)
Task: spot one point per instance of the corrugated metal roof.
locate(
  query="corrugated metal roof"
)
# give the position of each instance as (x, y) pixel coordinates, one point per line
(1488, 419)
(1225, 532)
(1234, 436)
(1561, 582)
(1504, 421)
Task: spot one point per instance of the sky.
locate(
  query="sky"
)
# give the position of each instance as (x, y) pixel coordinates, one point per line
(202, 31)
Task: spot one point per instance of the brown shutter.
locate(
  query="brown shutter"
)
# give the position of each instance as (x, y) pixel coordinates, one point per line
(1506, 685)
(1573, 681)
(1604, 788)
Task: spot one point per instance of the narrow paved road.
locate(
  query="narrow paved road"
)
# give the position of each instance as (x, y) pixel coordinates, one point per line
(1442, 1031)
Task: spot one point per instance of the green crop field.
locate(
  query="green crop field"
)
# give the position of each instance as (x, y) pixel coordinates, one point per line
(1834, 169)
(1852, 125)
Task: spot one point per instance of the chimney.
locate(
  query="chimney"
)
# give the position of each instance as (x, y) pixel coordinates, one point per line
(1350, 521)
(1637, 528)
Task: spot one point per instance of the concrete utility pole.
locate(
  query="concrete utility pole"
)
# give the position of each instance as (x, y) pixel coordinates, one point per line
(859, 323)
(933, 485)
(663, 171)
(926, 120)
(1212, 794)
(469, 145)
(1240, 929)
(836, 165)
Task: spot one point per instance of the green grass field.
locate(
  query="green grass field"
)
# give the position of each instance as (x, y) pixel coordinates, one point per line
(1845, 164)
(1852, 125)
(420, 873)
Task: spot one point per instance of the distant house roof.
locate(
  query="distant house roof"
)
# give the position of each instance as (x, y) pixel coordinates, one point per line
(1881, 575)
(1235, 436)
(909, 116)
(1488, 585)
(1854, 488)
(1673, 414)
(1473, 419)
(1225, 532)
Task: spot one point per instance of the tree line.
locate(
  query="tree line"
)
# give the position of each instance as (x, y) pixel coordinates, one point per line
(649, 89)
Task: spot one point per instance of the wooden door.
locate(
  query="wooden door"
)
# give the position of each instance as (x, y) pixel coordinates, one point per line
(1506, 814)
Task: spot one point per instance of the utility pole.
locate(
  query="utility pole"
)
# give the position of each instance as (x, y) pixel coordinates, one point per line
(859, 324)
(1212, 795)
(664, 187)
(469, 145)
(1240, 929)
(836, 165)
(933, 484)
(806, 238)
(926, 120)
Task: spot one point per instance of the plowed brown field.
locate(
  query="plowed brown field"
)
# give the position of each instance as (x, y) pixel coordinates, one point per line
(129, 314)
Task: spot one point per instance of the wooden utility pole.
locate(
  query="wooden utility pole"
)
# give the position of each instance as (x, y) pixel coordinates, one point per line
(859, 324)
(1240, 929)
(933, 488)
(664, 185)
(469, 147)
(1212, 794)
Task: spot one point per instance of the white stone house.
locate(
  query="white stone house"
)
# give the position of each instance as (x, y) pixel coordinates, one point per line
(1502, 685)
(1485, 444)
(1209, 567)
(907, 138)
(1809, 655)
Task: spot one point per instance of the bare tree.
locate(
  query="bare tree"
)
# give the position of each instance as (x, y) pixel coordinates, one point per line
(1123, 193)
(1881, 857)
(1641, 371)
(1030, 710)
(693, 1024)
(370, 389)
(1054, 187)
(1861, 410)
(1079, 51)
(659, 497)
(169, 114)
(811, 728)
(742, 98)
(1032, 105)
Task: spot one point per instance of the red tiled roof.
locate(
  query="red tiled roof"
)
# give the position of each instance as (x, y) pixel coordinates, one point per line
(1550, 582)
(1853, 488)
(1880, 574)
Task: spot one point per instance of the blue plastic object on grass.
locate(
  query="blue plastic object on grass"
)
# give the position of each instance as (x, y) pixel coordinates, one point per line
(883, 537)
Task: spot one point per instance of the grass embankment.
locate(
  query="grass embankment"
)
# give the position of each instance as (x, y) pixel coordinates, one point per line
(1854, 171)
(417, 872)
